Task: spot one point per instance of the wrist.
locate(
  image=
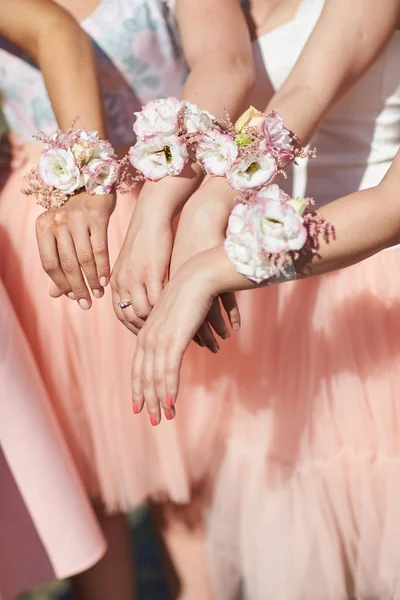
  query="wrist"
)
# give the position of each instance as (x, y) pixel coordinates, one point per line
(167, 196)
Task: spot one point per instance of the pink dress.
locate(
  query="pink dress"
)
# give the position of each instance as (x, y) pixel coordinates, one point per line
(307, 495)
(47, 527)
(84, 358)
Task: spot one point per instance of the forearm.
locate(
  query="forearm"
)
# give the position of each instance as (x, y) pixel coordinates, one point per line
(73, 86)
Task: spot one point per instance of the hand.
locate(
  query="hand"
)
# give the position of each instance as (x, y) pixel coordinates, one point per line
(72, 243)
(175, 319)
(202, 226)
(141, 268)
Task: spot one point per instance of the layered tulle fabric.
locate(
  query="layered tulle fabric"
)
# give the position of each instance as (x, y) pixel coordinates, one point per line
(306, 499)
(47, 527)
(84, 358)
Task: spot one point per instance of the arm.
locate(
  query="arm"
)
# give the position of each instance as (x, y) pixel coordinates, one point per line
(217, 47)
(72, 240)
(343, 45)
(365, 222)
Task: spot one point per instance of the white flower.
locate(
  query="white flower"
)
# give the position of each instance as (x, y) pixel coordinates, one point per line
(197, 120)
(252, 172)
(57, 167)
(273, 192)
(100, 175)
(216, 152)
(158, 157)
(158, 117)
(103, 150)
(276, 226)
(256, 231)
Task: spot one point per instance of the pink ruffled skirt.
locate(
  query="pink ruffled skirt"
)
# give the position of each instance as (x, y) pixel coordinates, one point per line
(307, 495)
(84, 359)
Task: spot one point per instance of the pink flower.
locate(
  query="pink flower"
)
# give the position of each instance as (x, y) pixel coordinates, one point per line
(57, 168)
(100, 175)
(196, 120)
(252, 172)
(276, 226)
(272, 192)
(159, 156)
(278, 139)
(216, 152)
(157, 118)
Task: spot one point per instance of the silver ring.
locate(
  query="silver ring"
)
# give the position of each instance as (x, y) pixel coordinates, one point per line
(124, 304)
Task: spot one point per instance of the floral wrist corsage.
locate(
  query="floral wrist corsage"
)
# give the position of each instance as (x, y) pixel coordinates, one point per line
(268, 231)
(71, 161)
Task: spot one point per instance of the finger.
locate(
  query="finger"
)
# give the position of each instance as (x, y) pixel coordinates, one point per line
(197, 340)
(140, 302)
(120, 315)
(137, 391)
(131, 317)
(54, 292)
(173, 362)
(154, 289)
(84, 252)
(159, 380)
(207, 337)
(149, 391)
(232, 310)
(72, 270)
(98, 238)
(216, 320)
(48, 252)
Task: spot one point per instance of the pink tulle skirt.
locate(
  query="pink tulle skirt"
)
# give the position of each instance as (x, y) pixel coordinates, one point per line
(85, 360)
(307, 496)
(47, 526)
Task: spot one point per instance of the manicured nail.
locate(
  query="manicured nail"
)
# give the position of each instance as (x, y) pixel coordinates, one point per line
(103, 281)
(83, 303)
(135, 408)
(235, 326)
(225, 336)
(97, 293)
(214, 349)
(71, 295)
(168, 414)
(153, 420)
(170, 401)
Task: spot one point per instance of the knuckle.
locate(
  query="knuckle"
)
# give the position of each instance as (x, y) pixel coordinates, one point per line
(158, 379)
(145, 381)
(99, 249)
(85, 258)
(68, 265)
(50, 266)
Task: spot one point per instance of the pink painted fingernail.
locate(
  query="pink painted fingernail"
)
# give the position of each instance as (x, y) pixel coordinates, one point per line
(83, 303)
(170, 402)
(168, 415)
(103, 281)
(97, 293)
(235, 326)
(71, 295)
(153, 420)
(135, 408)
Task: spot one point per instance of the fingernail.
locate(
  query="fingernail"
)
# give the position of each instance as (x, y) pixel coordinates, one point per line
(170, 401)
(153, 420)
(215, 349)
(83, 303)
(71, 295)
(235, 326)
(103, 281)
(97, 293)
(168, 415)
(225, 336)
(135, 408)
